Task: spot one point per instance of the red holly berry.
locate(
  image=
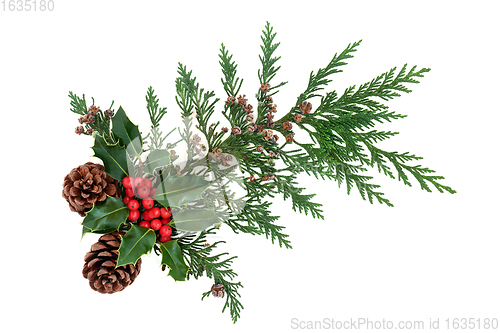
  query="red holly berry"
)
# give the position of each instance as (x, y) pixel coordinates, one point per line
(156, 224)
(164, 239)
(152, 192)
(165, 212)
(127, 182)
(145, 224)
(166, 230)
(165, 221)
(145, 216)
(147, 183)
(154, 212)
(133, 205)
(137, 181)
(143, 192)
(130, 192)
(148, 203)
(133, 215)
(126, 200)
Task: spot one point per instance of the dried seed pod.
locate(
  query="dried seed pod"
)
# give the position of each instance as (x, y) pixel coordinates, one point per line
(230, 100)
(224, 129)
(217, 290)
(265, 86)
(236, 130)
(242, 100)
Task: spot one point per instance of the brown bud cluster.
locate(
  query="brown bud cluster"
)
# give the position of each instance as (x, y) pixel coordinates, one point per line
(306, 107)
(287, 126)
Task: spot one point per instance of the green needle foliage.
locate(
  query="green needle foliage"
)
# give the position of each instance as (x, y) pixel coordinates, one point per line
(343, 144)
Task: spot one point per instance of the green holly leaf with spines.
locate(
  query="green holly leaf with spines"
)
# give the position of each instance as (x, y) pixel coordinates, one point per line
(156, 159)
(114, 157)
(175, 191)
(194, 219)
(136, 242)
(127, 133)
(173, 258)
(105, 217)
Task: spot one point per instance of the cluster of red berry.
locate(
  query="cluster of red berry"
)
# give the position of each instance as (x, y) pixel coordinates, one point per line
(154, 216)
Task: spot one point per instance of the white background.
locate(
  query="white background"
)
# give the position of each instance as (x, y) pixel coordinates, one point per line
(431, 256)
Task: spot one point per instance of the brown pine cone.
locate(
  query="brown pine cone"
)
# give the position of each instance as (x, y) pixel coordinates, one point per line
(100, 266)
(86, 185)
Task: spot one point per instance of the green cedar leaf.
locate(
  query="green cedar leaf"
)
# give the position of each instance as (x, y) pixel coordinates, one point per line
(127, 133)
(136, 242)
(105, 217)
(172, 257)
(156, 159)
(114, 157)
(175, 191)
(194, 219)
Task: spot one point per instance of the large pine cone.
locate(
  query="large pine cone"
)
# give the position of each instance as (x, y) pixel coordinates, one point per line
(86, 185)
(100, 266)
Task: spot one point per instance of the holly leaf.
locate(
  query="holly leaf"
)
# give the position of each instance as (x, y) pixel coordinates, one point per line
(114, 157)
(127, 132)
(136, 242)
(194, 219)
(172, 257)
(86, 230)
(156, 159)
(175, 191)
(105, 217)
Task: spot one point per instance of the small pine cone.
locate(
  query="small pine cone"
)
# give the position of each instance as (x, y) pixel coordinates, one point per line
(249, 108)
(297, 118)
(289, 138)
(249, 117)
(259, 148)
(93, 110)
(217, 290)
(79, 130)
(86, 185)
(306, 107)
(242, 100)
(236, 130)
(100, 266)
(230, 100)
(265, 86)
(269, 99)
(224, 129)
(109, 113)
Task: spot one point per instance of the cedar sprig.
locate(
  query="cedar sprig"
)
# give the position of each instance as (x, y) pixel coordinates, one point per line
(200, 261)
